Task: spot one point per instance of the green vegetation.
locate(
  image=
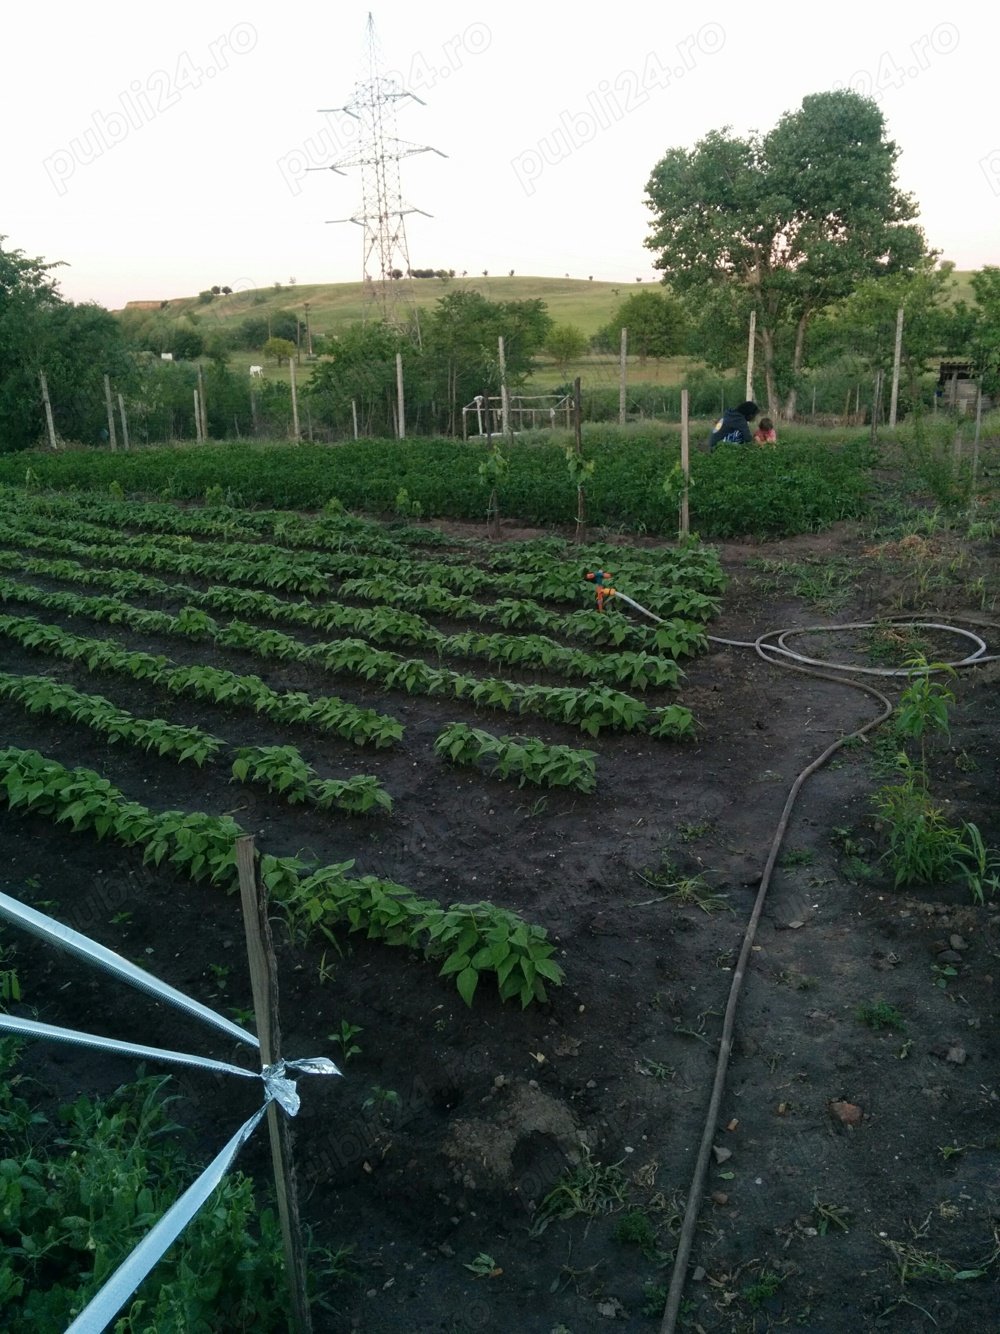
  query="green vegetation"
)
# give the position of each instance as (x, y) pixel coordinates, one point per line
(76, 1195)
(879, 1014)
(471, 939)
(924, 847)
(796, 488)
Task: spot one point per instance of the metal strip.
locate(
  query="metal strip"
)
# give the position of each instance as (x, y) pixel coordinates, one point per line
(85, 948)
(33, 1029)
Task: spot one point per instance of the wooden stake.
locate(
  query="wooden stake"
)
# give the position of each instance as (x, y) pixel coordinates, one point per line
(197, 416)
(354, 416)
(751, 343)
(896, 359)
(201, 403)
(400, 408)
(111, 413)
(264, 982)
(685, 530)
(505, 423)
(621, 377)
(295, 401)
(581, 502)
(121, 409)
(48, 410)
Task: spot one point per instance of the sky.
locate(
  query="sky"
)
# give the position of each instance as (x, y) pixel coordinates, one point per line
(158, 150)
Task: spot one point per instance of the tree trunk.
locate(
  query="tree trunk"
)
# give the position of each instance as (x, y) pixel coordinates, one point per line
(800, 345)
(767, 343)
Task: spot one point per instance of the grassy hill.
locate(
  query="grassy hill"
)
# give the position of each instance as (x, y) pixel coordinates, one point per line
(334, 305)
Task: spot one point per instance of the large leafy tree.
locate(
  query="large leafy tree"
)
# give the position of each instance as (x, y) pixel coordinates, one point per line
(863, 325)
(785, 224)
(984, 331)
(461, 349)
(656, 324)
(75, 345)
(360, 368)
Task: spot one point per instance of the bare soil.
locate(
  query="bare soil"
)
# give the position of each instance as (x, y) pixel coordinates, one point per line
(452, 1127)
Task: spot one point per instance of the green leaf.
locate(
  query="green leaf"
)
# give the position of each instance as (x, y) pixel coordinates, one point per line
(467, 981)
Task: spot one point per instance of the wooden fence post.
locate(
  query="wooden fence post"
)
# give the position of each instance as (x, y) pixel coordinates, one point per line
(621, 377)
(121, 409)
(264, 982)
(48, 410)
(685, 466)
(111, 413)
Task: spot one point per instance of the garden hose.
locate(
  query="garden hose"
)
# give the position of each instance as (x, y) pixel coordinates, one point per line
(779, 654)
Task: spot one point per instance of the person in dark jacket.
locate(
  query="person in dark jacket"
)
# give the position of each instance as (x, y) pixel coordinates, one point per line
(733, 427)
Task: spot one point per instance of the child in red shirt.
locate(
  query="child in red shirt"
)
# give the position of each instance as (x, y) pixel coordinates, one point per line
(765, 433)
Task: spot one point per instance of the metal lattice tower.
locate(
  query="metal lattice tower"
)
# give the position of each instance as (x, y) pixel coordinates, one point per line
(385, 249)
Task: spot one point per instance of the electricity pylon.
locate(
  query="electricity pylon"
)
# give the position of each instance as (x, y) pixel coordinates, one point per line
(385, 264)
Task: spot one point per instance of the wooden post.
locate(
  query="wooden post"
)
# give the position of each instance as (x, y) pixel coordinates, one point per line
(581, 501)
(876, 406)
(48, 410)
(751, 343)
(264, 981)
(253, 412)
(814, 403)
(295, 401)
(121, 409)
(505, 424)
(354, 416)
(621, 377)
(897, 357)
(400, 408)
(201, 401)
(111, 413)
(975, 451)
(197, 416)
(685, 526)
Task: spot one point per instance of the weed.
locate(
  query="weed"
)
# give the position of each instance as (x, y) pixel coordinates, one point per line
(656, 1299)
(635, 1229)
(791, 977)
(879, 1014)
(941, 974)
(654, 1069)
(483, 1266)
(826, 1216)
(766, 1286)
(796, 857)
(914, 1265)
(220, 974)
(688, 833)
(687, 891)
(589, 1189)
(923, 846)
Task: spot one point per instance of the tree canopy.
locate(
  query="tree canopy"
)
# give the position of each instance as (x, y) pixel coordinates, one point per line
(785, 224)
(75, 345)
(656, 324)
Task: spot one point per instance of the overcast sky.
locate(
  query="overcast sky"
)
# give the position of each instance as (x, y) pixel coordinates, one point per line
(158, 150)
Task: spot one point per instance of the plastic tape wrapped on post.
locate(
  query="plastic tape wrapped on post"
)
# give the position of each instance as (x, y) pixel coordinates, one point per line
(89, 950)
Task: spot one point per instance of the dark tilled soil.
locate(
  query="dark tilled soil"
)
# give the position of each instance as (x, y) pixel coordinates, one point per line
(451, 1126)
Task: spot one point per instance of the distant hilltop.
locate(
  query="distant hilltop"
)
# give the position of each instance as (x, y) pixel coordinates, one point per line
(144, 305)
